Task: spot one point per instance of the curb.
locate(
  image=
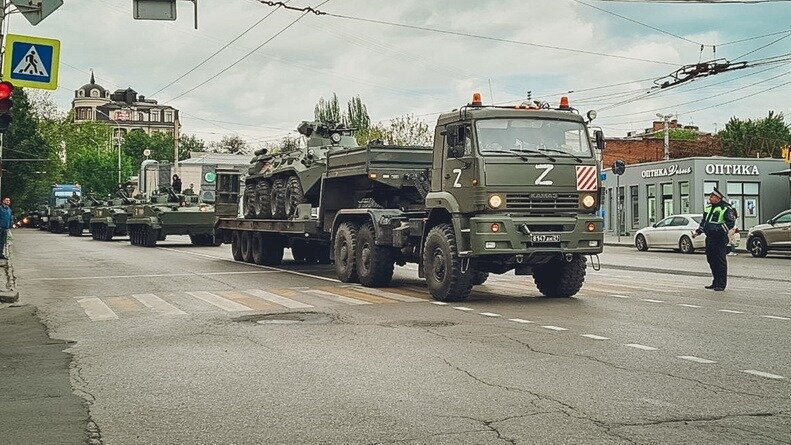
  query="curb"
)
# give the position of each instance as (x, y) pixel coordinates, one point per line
(8, 294)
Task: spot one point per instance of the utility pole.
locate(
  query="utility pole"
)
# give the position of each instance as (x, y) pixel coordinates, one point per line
(3, 5)
(666, 118)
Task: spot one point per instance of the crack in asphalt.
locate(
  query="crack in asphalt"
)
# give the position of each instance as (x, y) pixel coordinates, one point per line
(412, 439)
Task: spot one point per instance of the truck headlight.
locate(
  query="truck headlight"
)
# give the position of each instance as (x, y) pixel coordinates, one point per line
(588, 201)
(495, 201)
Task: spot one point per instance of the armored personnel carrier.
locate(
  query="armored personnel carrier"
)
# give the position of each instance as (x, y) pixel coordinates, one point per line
(78, 216)
(170, 213)
(110, 220)
(278, 183)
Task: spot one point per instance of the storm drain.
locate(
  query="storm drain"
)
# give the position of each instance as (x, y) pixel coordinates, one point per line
(288, 318)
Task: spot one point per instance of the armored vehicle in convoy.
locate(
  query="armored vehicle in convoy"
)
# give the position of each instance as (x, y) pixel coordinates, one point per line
(78, 215)
(170, 213)
(277, 184)
(502, 189)
(55, 217)
(110, 220)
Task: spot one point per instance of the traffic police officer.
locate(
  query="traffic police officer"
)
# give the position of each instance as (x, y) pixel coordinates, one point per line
(717, 220)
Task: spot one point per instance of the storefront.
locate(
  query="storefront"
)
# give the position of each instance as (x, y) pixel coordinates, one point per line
(651, 191)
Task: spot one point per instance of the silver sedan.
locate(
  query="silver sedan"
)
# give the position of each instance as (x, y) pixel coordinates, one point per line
(674, 232)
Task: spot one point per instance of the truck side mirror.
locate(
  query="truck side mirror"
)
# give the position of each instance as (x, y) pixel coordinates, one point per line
(599, 140)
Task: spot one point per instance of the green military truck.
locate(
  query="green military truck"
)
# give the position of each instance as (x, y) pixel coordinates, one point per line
(170, 213)
(502, 189)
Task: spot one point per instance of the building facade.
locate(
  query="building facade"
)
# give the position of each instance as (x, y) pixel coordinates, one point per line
(125, 110)
(650, 191)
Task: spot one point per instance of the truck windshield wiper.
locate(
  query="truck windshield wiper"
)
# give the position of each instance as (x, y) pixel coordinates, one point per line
(524, 158)
(538, 152)
(554, 150)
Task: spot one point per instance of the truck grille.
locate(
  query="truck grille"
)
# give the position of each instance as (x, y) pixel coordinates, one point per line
(543, 202)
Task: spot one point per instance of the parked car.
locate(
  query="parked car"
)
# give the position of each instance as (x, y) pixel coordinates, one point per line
(673, 232)
(774, 235)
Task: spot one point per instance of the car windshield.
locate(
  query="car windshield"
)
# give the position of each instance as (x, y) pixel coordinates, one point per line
(523, 135)
(697, 219)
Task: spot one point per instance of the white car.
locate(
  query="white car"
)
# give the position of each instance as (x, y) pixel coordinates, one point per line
(674, 232)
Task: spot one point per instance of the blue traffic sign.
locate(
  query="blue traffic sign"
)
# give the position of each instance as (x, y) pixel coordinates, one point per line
(31, 61)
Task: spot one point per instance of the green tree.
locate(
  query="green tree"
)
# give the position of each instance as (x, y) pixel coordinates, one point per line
(762, 137)
(96, 172)
(136, 141)
(229, 144)
(189, 144)
(329, 110)
(404, 130)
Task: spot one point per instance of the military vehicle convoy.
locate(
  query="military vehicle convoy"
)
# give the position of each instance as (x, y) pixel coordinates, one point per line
(110, 220)
(170, 213)
(78, 214)
(503, 188)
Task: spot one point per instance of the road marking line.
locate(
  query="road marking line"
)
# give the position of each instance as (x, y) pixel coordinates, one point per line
(690, 305)
(277, 299)
(489, 314)
(439, 303)
(519, 320)
(730, 311)
(123, 304)
(390, 295)
(554, 328)
(595, 337)
(353, 293)
(335, 297)
(692, 358)
(96, 310)
(649, 300)
(621, 296)
(158, 305)
(643, 347)
(763, 374)
(254, 303)
(775, 317)
(462, 308)
(222, 303)
(155, 275)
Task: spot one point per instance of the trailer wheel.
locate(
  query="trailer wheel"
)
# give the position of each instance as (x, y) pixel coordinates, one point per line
(443, 267)
(560, 278)
(343, 252)
(264, 193)
(479, 278)
(236, 246)
(278, 199)
(257, 248)
(374, 263)
(247, 246)
(272, 248)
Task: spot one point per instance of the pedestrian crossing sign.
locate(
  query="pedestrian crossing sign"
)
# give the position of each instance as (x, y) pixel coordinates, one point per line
(31, 61)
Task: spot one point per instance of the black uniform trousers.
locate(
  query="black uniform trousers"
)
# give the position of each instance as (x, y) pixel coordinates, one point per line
(716, 255)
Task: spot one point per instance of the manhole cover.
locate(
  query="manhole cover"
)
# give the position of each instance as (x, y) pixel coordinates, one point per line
(287, 318)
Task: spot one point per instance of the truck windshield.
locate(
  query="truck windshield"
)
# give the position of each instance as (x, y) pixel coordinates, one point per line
(496, 136)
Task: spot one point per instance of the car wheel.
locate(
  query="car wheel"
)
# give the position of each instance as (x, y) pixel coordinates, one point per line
(685, 245)
(757, 246)
(640, 243)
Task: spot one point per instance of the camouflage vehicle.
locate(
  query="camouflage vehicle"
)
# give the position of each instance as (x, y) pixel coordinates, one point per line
(170, 213)
(110, 220)
(56, 220)
(277, 184)
(78, 216)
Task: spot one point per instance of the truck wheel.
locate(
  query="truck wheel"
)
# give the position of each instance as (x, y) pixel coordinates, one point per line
(374, 263)
(149, 236)
(278, 199)
(247, 246)
(343, 252)
(236, 246)
(264, 200)
(442, 266)
(250, 203)
(108, 233)
(272, 249)
(478, 278)
(257, 248)
(560, 279)
(294, 195)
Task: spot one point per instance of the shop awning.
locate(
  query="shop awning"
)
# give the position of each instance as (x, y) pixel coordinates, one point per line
(786, 172)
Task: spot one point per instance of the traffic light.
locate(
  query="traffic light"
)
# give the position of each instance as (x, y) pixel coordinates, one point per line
(6, 91)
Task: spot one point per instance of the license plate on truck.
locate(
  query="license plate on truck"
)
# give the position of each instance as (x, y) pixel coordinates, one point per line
(545, 238)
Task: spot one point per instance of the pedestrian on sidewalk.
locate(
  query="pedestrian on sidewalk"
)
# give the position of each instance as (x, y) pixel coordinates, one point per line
(717, 221)
(6, 220)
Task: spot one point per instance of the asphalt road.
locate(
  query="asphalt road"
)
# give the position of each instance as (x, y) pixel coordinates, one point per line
(179, 344)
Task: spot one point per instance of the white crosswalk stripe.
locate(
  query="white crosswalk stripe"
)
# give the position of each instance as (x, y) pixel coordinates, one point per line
(277, 299)
(220, 302)
(390, 295)
(335, 297)
(96, 309)
(158, 305)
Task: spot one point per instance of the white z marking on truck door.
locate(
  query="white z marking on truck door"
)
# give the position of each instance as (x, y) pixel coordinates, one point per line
(456, 182)
(547, 168)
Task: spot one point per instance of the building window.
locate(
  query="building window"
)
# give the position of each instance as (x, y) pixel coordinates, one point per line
(684, 192)
(94, 93)
(80, 93)
(743, 196)
(83, 114)
(141, 116)
(168, 116)
(667, 200)
(651, 193)
(709, 186)
(635, 206)
(155, 116)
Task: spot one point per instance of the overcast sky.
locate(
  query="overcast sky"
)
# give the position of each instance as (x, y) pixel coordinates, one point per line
(398, 71)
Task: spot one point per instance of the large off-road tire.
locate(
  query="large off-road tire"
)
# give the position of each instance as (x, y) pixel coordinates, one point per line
(641, 243)
(294, 195)
(343, 252)
(257, 246)
(756, 244)
(250, 203)
(374, 263)
(443, 267)
(278, 199)
(264, 193)
(236, 246)
(477, 278)
(685, 245)
(560, 278)
(108, 233)
(75, 229)
(132, 235)
(272, 249)
(247, 246)
(150, 236)
(203, 239)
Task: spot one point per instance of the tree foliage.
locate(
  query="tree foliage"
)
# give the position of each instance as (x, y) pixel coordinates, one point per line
(189, 144)
(329, 111)
(136, 141)
(229, 144)
(762, 137)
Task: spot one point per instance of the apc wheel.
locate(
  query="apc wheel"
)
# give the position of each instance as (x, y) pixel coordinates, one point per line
(443, 267)
(560, 278)
(685, 245)
(374, 263)
(294, 196)
(343, 252)
(96, 232)
(236, 246)
(107, 233)
(264, 193)
(247, 246)
(278, 199)
(757, 246)
(479, 278)
(132, 235)
(149, 236)
(640, 243)
(75, 229)
(250, 203)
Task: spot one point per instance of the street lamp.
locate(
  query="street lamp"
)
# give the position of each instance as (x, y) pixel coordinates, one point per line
(666, 118)
(118, 141)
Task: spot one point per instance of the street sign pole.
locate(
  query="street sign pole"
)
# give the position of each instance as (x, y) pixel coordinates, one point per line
(3, 5)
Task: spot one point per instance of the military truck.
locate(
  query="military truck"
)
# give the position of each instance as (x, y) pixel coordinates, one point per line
(502, 189)
(277, 184)
(54, 217)
(78, 216)
(110, 220)
(170, 213)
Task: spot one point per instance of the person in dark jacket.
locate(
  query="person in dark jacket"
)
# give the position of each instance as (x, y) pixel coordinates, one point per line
(6, 221)
(176, 184)
(717, 221)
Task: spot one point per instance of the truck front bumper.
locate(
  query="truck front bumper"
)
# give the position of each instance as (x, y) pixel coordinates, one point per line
(509, 235)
